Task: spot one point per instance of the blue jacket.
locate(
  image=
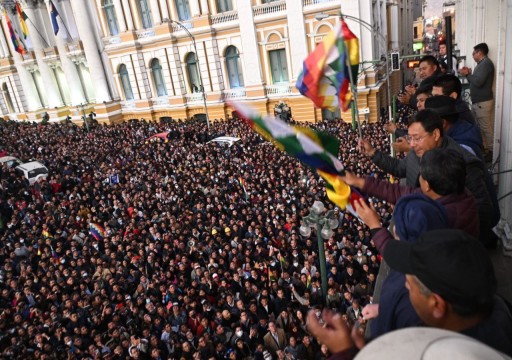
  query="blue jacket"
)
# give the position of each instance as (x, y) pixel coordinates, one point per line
(395, 308)
(465, 133)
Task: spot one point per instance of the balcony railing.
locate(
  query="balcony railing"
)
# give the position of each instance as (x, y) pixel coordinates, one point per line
(270, 8)
(194, 97)
(75, 46)
(279, 89)
(186, 23)
(111, 40)
(146, 33)
(237, 93)
(315, 2)
(129, 105)
(29, 55)
(161, 101)
(50, 51)
(224, 17)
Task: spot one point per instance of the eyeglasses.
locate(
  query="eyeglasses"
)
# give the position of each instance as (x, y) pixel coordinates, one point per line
(417, 140)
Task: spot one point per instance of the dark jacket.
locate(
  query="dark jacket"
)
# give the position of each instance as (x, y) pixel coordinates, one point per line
(464, 111)
(496, 330)
(467, 134)
(395, 308)
(477, 181)
(461, 209)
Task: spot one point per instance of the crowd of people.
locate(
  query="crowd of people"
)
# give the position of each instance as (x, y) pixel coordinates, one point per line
(200, 256)
(176, 247)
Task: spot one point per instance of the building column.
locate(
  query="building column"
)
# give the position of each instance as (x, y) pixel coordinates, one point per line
(119, 15)
(135, 15)
(174, 13)
(128, 14)
(3, 44)
(250, 57)
(204, 7)
(29, 98)
(194, 8)
(84, 25)
(164, 9)
(74, 83)
(298, 47)
(155, 12)
(393, 40)
(213, 6)
(47, 74)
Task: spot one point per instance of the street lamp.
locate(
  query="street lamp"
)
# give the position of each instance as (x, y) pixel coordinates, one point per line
(324, 224)
(384, 40)
(84, 116)
(198, 69)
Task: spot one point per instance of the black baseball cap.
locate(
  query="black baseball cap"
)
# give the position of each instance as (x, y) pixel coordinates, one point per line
(451, 263)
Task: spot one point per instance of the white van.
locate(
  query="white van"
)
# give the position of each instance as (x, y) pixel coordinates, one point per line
(32, 171)
(229, 140)
(11, 161)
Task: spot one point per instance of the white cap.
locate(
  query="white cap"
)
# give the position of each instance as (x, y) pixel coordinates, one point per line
(428, 344)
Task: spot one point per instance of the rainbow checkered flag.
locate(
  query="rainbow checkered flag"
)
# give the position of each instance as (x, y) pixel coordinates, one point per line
(325, 77)
(97, 231)
(316, 149)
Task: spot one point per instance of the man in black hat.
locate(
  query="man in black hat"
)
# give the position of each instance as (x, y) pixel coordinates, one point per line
(463, 132)
(452, 286)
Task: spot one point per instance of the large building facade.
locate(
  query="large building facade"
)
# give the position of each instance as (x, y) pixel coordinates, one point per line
(153, 59)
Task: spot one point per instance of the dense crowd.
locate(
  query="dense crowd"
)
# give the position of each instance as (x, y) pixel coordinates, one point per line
(201, 255)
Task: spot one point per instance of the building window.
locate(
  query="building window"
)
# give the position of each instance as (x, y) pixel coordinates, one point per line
(125, 82)
(183, 9)
(234, 68)
(278, 66)
(8, 99)
(158, 79)
(110, 15)
(224, 5)
(193, 73)
(145, 14)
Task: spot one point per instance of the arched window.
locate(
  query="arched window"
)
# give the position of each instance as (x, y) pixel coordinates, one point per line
(234, 67)
(125, 82)
(110, 15)
(158, 79)
(193, 72)
(278, 66)
(145, 14)
(183, 9)
(224, 5)
(8, 99)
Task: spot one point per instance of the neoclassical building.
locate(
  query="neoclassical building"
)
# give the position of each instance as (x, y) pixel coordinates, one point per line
(150, 59)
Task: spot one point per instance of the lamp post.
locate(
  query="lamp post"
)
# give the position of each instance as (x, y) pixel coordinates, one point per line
(384, 40)
(84, 117)
(324, 224)
(198, 69)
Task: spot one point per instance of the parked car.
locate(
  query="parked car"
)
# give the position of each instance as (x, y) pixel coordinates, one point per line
(229, 140)
(11, 161)
(32, 171)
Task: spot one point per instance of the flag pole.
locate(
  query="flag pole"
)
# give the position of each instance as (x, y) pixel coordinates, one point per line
(61, 20)
(35, 27)
(40, 35)
(353, 86)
